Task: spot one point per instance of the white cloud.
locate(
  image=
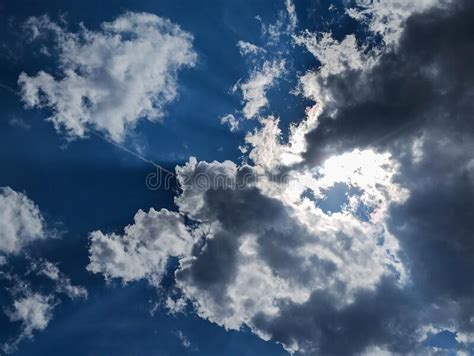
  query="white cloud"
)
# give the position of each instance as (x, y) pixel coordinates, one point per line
(266, 244)
(387, 17)
(293, 19)
(290, 248)
(183, 339)
(232, 121)
(110, 78)
(255, 88)
(63, 283)
(247, 48)
(21, 221)
(143, 250)
(335, 56)
(284, 25)
(175, 306)
(34, 311)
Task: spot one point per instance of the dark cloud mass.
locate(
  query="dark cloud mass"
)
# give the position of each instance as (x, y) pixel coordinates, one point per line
(423, 89)
(427, 80)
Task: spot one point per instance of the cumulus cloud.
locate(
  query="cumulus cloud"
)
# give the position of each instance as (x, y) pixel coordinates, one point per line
(21, 222)
(255, 88)
(388, 146)
(32, 307)
(144, 248)
(33, 311)
(272, 246)
(111, 78)
(283, 246)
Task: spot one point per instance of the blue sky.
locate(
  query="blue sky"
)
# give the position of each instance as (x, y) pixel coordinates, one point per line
(346, 100)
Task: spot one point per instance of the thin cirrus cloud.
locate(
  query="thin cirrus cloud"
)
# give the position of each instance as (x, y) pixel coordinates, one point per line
(111, 78)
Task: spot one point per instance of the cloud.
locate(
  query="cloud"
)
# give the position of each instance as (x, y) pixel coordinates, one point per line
(33, 307)
(388, 146)
(280, 248)
(335, 56)
(247, 48)
(423, 81)
(21, 222)
(144, 248)
(387, 18)
(184, 340)
(112, 78)
(292, 18)
(63, 283)
(232, 121)
(416, 103)
(255, 88)
(263, 246)
(33, 311)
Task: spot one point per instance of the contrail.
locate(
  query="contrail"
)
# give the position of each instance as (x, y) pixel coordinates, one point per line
(129, 151)
(8, 88)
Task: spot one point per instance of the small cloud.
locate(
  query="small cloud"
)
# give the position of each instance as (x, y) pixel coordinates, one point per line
(247, 48)
(232, 121)
(19, 122)
(185, 341)
(255, 88)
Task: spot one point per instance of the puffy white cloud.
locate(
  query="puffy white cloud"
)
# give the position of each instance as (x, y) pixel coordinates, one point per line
(255, 88)
(275, 246)
(34, 311)
(265, 243)
(110, 78)
(21, 221)
(144, 248)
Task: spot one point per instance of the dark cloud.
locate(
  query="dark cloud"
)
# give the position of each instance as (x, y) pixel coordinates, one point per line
(383, 317)
(424, 88)
(421, 89)
(427, 80)
(238, 211)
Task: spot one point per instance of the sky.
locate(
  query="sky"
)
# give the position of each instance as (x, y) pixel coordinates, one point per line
(237, 177)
